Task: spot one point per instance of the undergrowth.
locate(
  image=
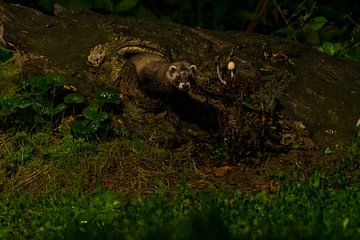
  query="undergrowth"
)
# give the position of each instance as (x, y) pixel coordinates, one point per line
(312, 209)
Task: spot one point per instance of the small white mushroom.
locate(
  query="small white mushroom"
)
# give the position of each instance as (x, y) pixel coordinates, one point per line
(231, 67)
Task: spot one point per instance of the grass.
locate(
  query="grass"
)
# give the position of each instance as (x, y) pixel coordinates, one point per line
(64, 181)
(308, 210)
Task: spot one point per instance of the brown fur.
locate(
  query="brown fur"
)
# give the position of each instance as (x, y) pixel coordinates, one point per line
(157, 76)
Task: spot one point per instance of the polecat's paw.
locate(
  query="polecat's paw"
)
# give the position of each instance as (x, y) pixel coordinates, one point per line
(171, 117)
(174, 120)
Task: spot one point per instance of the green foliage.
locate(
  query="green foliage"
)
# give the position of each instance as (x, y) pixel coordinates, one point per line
(307, 210)
(74, 98)
(107, 95)
(125, 5)
(94, 116)
(34, 104)
(304, 22)
(5, 54)
(42, 102)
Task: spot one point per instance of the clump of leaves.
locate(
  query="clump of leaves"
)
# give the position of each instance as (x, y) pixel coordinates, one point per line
(303, 23)
(43, 101)
(35, 103)
(94, 117)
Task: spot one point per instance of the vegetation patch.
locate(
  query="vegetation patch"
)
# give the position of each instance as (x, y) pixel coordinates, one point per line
(298, 210)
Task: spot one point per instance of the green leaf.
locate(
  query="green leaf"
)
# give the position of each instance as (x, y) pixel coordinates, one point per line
(49, 150)
(91, 113)
(84, 126)
(57, 80)
(107, 95)
(345, 223)
(288, 32)
(20, 102)
(328, 48)
(39, 83)
(38, 119)
(311, 36)
(74, 98)
(57, 109)
(353, 54)
(332, 48)
(329, 151)
(4, 54)
(9, 105)
(317, 23)
(23, 154)
(295, 145)
(125, 5)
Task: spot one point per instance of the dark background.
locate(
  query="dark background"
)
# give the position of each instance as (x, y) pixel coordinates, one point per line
(335, 23)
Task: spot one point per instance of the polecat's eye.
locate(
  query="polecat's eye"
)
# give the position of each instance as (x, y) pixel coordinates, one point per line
(177, 80)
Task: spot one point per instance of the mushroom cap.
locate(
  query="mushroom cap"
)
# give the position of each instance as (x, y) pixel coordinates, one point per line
(231, 65)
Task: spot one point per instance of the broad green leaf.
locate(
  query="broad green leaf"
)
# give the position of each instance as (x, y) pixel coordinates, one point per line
(125, 5)
(331, 48)
(91, 113)
(329, 151)
(39, 83)
(9, 105)
(317, 23)
(353, 54)
(74, 98)
(84, 126)
(288, 32)
(57, 80)
(57, 109)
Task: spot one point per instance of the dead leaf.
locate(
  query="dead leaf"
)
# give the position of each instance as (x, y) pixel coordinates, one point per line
(220, 171)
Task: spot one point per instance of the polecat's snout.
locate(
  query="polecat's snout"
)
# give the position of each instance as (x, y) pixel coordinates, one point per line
(184, 86)
(182, 75)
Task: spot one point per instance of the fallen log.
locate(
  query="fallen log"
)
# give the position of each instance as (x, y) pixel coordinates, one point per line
(282, 91)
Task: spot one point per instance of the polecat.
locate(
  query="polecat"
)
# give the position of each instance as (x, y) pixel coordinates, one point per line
(160, 77)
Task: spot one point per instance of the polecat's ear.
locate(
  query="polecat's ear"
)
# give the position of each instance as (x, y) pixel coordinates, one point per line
(172, 70)
(193, 67)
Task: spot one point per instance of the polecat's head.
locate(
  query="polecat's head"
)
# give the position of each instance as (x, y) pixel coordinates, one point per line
(182, 75)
